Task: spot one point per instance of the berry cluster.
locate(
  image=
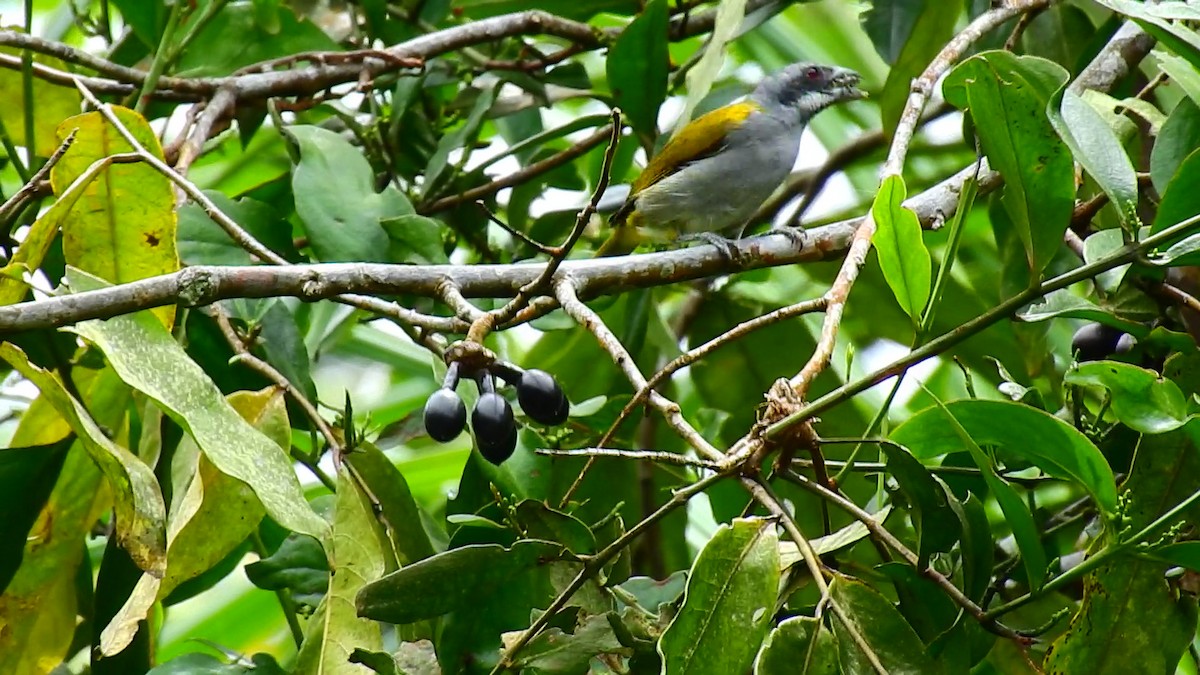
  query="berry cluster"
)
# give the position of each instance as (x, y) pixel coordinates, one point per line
(492, 419)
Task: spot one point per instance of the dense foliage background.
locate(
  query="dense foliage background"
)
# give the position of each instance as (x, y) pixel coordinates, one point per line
(244, 239)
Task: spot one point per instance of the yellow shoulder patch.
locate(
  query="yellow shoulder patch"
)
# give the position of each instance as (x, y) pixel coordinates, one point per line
(700, 137)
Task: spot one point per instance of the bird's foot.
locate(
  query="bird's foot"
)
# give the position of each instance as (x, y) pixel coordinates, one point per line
(727, 248)
(797, 235)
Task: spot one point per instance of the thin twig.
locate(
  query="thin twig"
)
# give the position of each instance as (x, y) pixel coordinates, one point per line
(660, 457)
(696, 353)
(31, 187)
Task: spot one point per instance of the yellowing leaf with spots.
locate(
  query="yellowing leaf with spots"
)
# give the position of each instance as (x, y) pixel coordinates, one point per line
(123, 226)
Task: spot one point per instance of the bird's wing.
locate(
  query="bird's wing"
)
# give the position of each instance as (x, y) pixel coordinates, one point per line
(701, 137)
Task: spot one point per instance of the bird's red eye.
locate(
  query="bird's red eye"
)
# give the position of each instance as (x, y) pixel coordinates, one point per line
(813, 73)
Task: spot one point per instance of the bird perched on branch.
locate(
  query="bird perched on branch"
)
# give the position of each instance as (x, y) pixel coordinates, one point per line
(718, 169)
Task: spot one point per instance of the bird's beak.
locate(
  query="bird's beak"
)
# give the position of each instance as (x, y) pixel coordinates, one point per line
(845, 82)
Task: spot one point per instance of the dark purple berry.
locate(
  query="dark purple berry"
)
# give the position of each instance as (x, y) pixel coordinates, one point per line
(492, 420)
(498, 452)
(445, 415)
(1094, 341)
(541, 398)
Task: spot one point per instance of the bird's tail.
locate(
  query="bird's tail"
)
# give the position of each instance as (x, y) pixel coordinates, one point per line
(623, 239)
(624, 236)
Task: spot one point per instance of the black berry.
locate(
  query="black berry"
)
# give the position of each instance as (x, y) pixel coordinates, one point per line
(445, 415)
(541, 398)
(497, 452)
(494, 426)
(1094, 341)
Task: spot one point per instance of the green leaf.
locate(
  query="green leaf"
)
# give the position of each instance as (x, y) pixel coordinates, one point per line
(1180, 202)
(51, 104)
(637, 68)
(197, 663)
(1016, 512)
(1157, 21)
(212, 513)
(27, 477)
(1113, 311)
(1100, 245)
(40, 605)
(409, 541)
(284, 347)
(978, 547)
(434, 586)
(881, 626)
(929, 502)
(1097, 148)
(902, 254)
(889, 25)
(732, 590)
(931, 28)
(105, 234)
(539, 521)
(1132, 619)
(1025, 432)
(800, 645)
(1182, 73)
(1182, 554)
(140, 512)
(1007, 97)
(299, 565)
(458, 139)
(1140, 398)
(336, 199)
(699, 80)
(357, 551)
(415, 239)
(203, 242)
(234, 38)
(1178, 138)
(149, 359)
(789, 552)
(557, 651)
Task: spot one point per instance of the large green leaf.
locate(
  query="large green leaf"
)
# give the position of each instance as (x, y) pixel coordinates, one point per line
(235, 37)
(637, 68)
(358, 552)
(434, 586)
(141, 513)
(881, 626)
(1178, 138)
(123, 227)
(41, 604)
(922, 28)
(929, 502)
(1007, 97)
(336, 199)
(1020, 430)
(1132, 619)
(147, 358)
(1096, 147)
(902, 254)
(1016, 512)
(800, 645)
(1140, 398)
(50, 105)
(731, 590)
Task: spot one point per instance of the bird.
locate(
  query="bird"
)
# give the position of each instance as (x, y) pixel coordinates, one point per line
(716, 171)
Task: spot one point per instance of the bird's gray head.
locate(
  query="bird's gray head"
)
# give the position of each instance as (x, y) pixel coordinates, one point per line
(805, 89)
